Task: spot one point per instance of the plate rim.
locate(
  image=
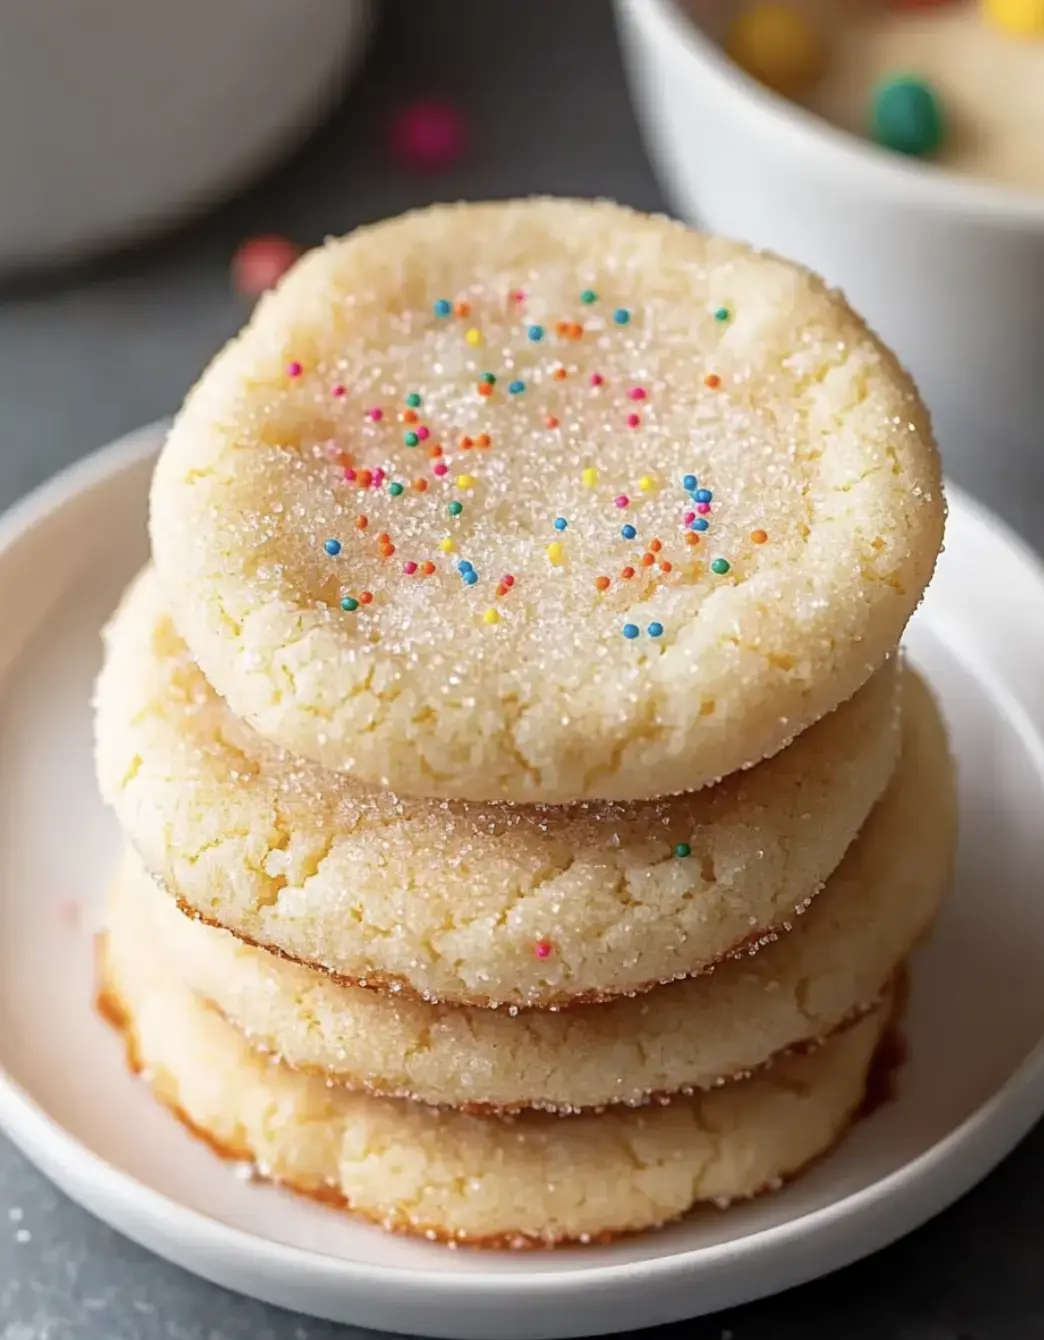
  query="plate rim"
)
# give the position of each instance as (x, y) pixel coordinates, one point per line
(984, 1137)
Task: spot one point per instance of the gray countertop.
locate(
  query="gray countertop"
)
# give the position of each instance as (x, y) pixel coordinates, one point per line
(88, 355)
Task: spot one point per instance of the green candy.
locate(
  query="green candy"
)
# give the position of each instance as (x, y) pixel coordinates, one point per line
(907, 116)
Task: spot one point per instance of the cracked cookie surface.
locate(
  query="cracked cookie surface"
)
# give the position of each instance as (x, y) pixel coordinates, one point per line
(545, 501)
(465, 902)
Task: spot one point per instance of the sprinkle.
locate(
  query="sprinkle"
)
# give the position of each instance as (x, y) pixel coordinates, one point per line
(647, 560)
(474, 337)
(550, 421)
(689, 483)
(712, 381)
(260, 262)
(630, 631)
(516, 387)
(462, 308)
(688, 518)
(466, 481)
(488, 379)
(386, 550)
(508, 579)
(465, 443)
(518, 295)
(589, 477)
(637, 392)
(656, 545)
(395, 488)
(364, 478)
(621, 500)
(555, 552)
(692, 538)
(349, 604)
(377, 478)
(560, 374)
(621, 316)
(365, 597)
(442, 307)
(294, 369)
(408, 416)
(484, 388)
(465, 565)
(332, 547)
(427, 568)
(542, 948)
(375, 415)
(361, 521)
(502, 590)
(470, 577)
(628, 532)
(666, 565)
(409, 567)
(627, 573)
(349, 473)
(484, 441)
(703, 508)
(560, 523)
(647, 483)
(440, 468)
(704, 495)
(410, 439)
(701, 523)
(491, 616)
(758, 536)
(434, 450)
(535, 333)
(601, 583)
(681, 850)
(722, 314)
(455, 508)
(655, 629)
(588, 296)
(447, 544)
(633, 420)
(575, 330)
(413, 400)
(338, 391)
(597, 379)
(423, 433)
(720, 566)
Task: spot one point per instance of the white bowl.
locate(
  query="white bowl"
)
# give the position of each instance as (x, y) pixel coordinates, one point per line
(117, 117)
(948, 268)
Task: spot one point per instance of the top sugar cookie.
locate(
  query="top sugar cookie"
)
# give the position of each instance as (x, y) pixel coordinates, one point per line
(543, 501)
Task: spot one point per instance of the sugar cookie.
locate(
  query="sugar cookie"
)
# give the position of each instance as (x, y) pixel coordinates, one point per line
(544, 501)
(470, 903)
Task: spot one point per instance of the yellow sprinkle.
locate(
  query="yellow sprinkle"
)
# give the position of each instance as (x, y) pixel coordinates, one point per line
(466, 481)
(447, 546)
(554, 551)
(646, 483)
(474, 337)
(590, 478)
(491, 616)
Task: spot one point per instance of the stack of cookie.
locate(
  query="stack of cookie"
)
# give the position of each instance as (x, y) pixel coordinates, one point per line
(520, 782)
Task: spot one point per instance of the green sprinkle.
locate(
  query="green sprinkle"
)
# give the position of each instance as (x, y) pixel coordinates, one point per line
(682, 849)
(488, 378)
(395, 488)
(455, 508)
(588, 295)
(350, 604)
(722, 314)
(410, 439)
(720, 566)
(413, 400)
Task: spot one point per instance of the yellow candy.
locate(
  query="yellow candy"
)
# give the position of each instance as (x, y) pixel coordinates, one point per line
(1021, 18)
(447, 546)
(474, 337)
(647, 483)
(466, 481)
(778, 46)
(491, 616)
(555, 552)
(590, 477)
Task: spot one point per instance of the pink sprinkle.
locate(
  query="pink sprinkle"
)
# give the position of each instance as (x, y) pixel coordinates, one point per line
(349, 473)
(377, 478)
(376, 415)
(423, 433)
(633, 420)
(542, 949)
(338, 391)
(688, 518)
(507, 579)
(518, 295)
(409, 568)
(637, 392)
(294, 369)
(440, 468)
(703, 508)
(622, 500)
(597, 379)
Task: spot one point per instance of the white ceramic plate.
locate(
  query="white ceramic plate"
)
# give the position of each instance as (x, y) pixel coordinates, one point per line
(974, 1086)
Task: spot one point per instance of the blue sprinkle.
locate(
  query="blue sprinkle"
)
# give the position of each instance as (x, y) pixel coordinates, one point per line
(443, 307)
(465, 566)
(560, 523)
(470, 577)
(701, 523)
(689, 482)
(655, 630)
(621, 316)
(628, 532)
(516, 387)
(630, 631)
(332, 547)
(703, 495)
(535, 333)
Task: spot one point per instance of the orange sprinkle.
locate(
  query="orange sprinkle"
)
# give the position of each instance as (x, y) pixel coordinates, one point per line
(483, 440)
(384, 538)
(361, 522)
(434, 451)
(561, 327)
(465, 442)
(409, 416)
(602, 583)
(666, 565)
(655, 546)
(420, 486)
(502, 590)
(387, 550)
(462, 309)
(560, 374)
(484, 388)
(427, 568)
(364, 478)
(691, 537)
(758, 536)
(551, 421)
(576, 330)
(626, 573)
(647, 560)
(365, 597)
(712, 380)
